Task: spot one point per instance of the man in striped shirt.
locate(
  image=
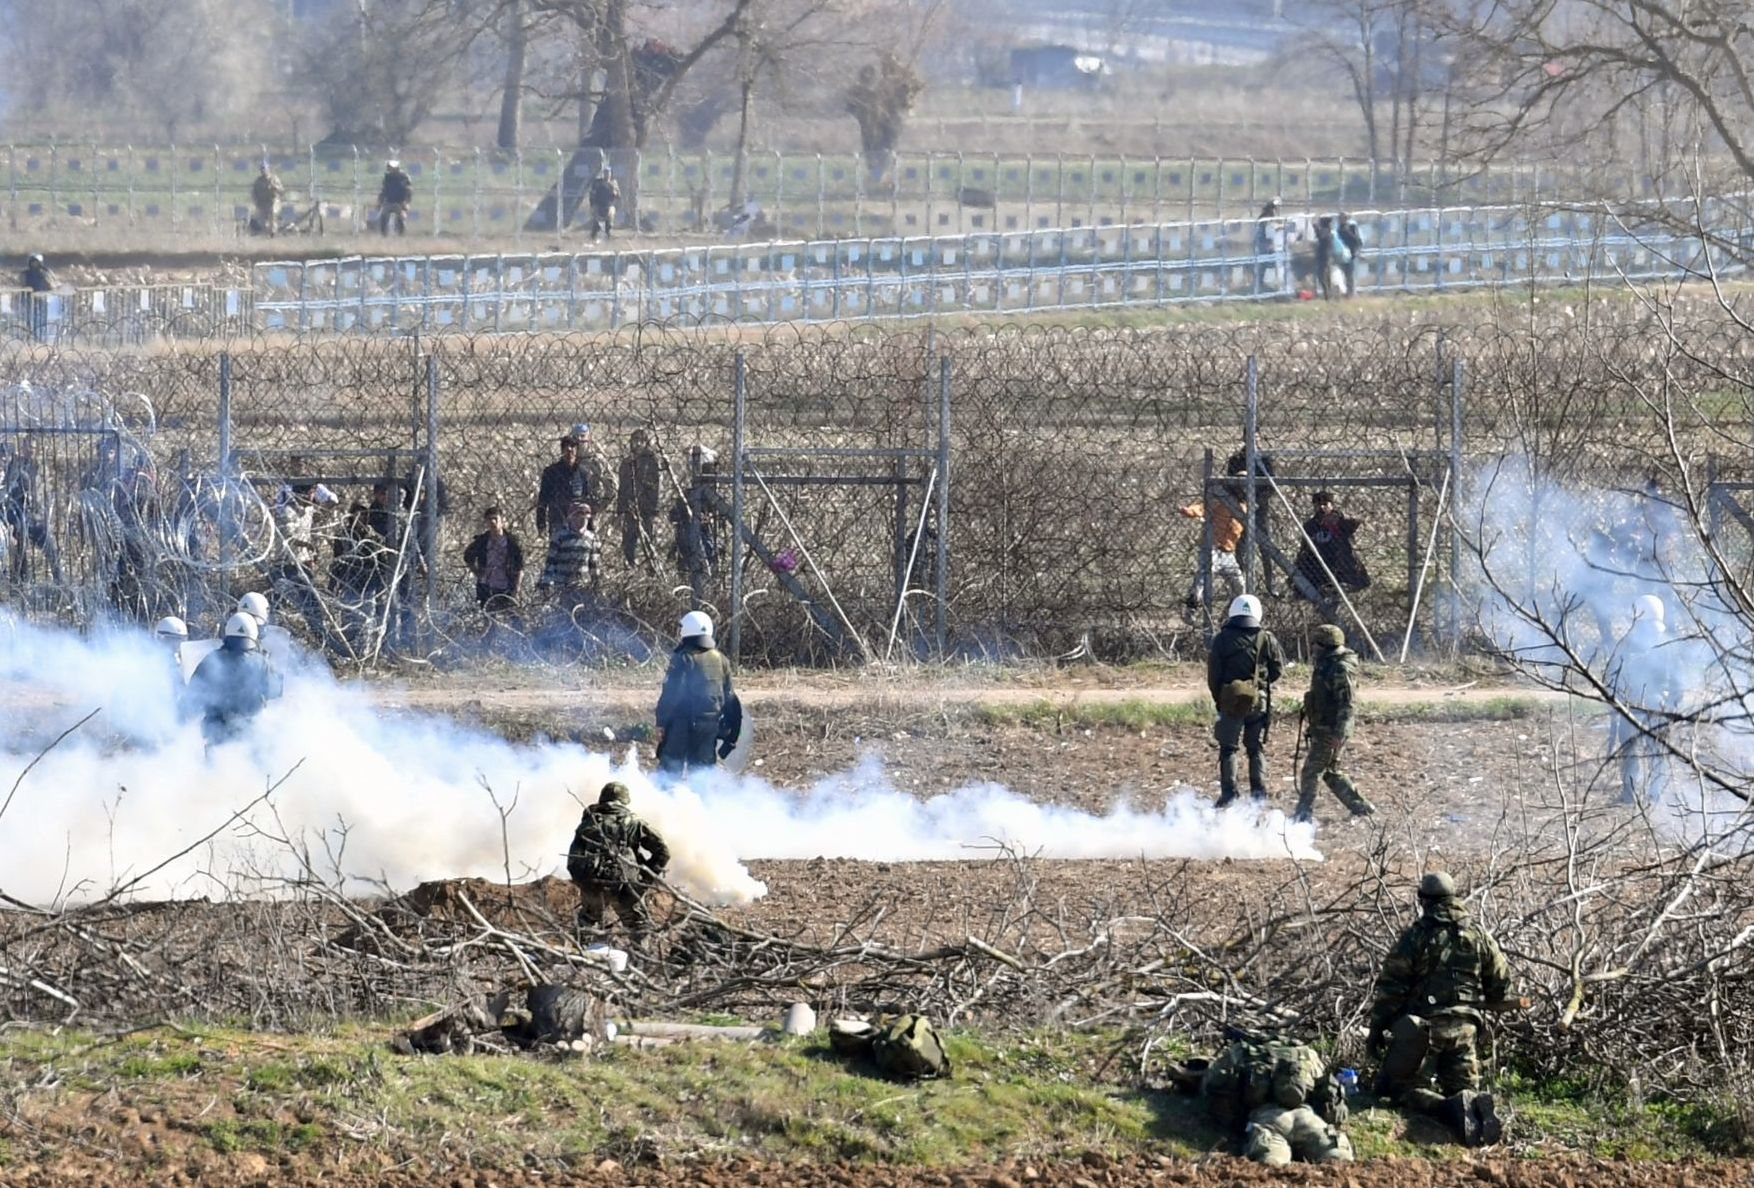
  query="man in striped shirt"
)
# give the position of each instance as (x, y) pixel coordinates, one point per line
(574, 556)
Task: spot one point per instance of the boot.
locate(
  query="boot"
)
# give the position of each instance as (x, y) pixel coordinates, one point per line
(1485, 1112)
(1456, 1112)
(1305, 814)
(1257, 775)
(1226, 777)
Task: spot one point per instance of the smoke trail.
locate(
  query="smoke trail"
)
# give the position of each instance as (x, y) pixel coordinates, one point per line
(400, 798)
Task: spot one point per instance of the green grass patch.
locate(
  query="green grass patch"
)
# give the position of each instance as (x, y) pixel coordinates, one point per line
(1044, 1095)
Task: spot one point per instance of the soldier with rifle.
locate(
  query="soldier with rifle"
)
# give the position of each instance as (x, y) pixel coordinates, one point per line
(1327, 716)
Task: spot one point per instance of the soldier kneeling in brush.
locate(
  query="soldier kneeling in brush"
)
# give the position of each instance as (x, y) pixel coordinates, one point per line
(615, 858)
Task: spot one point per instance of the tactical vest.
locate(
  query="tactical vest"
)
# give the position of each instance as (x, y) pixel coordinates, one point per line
(1450, 955)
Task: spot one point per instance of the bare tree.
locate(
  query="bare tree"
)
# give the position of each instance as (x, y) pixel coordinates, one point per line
(511, 103)
(1549, 78)
(377, 73)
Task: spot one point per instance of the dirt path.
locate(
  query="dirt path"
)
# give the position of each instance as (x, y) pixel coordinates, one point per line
(833, 692)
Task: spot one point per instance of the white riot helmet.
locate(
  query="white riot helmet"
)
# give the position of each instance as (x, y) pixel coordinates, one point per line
(256, 606)
(1648, 608)
(1247, 608)
(242, 626)
(697, 623)
(392, 163)
(171, 627)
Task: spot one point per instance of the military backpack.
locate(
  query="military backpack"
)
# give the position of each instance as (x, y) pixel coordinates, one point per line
(1252, 1072)
(1241, 697)
(908, 1048)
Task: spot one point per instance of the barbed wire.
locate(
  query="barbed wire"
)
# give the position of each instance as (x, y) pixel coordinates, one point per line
(1071, 450)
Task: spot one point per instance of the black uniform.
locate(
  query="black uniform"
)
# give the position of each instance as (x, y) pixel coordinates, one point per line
(228, 689)
(1242, 653)
(691, 709)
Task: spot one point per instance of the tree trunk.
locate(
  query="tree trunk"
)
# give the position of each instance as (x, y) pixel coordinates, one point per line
(740, 166)
(511, 101)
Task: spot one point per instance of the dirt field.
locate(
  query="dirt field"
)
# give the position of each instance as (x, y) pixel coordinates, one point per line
(1444, 758)
(1219, 1172)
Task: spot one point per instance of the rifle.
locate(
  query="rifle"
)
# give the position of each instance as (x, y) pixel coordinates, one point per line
(1302, 730)
(1267, 709)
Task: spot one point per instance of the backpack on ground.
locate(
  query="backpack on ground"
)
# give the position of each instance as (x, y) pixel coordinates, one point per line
(908, 1048)
(1251, 1073)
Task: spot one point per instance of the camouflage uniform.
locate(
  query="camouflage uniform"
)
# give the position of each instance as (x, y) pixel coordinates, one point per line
(1283, 1098)
(614, 856)
(1237, 653)
(265, 195)
(697, 688)
(1327, 710)
(1430, 995)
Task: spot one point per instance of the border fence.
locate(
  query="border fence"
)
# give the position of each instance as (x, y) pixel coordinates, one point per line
(1413, 250)
(202, 191)
(837, 494)
(1426, 249)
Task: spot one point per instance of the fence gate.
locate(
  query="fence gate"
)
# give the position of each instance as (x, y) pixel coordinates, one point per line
(760, 497)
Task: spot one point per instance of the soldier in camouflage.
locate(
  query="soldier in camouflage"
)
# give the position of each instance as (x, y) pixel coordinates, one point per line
(1327, 714)
(614, 858)
(1435, 985)
(1280, 1095)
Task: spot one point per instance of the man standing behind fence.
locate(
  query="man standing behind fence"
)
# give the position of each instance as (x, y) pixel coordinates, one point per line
(563, 484)
(41, 282)
(637, 495)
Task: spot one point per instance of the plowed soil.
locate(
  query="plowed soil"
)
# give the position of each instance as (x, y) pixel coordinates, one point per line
(218, 1171)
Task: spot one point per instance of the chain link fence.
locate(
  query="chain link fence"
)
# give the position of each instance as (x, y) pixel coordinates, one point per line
(1055, 495)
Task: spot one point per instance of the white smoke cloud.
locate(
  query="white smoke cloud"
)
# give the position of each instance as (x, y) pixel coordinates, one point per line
(401, 798)
(1572, 568)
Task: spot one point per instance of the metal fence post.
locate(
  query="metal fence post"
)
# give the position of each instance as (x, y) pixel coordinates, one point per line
(1456, 389)
(429, 526)
(225, 470)
(739, 410)
(1251, 450)
(943, 576)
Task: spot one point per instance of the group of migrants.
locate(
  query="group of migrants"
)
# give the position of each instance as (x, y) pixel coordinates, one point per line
(1325, 252)
(1327, 557)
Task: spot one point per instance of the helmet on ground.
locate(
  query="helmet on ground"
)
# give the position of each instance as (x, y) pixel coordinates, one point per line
(1328, 636)
(171, 627)
(614, 792)
(1648, 607)
(255, 605)
(242, 626)
(697, 623)
(1247, 607)
(1437, 885)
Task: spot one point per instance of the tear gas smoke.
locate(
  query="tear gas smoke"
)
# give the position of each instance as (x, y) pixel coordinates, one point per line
(1611, 593)
(399, 798)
